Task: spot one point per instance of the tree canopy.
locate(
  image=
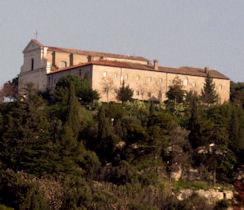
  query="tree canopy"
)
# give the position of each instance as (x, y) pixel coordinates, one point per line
(124, 93)
(176, 93)
(82, 87)
(209, 94)
(63, 155)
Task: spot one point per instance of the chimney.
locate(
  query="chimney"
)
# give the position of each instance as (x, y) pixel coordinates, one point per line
(90, 58)
(155, 64)
(54, 58)
(206, 69)
(71, 59)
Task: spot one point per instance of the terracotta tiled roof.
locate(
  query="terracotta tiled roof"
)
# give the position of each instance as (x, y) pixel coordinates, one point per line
(193, 71)
(94, 53)
(181, 70)
(38, 43)
(91, 53)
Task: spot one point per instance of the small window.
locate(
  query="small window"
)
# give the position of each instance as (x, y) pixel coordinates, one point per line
(63, 64)
(116, 75)
(185, 82)
(149, 94)
(32, 64)
(121, 78)
(105, 90)
(137, 77)
(89, 58)
(137, 93)
(220, 87)
(161, 80)
(105, 74)
(193, 84)
(160, 94)
(126, 76)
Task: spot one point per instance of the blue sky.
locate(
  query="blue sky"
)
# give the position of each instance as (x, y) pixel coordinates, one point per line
(195, 33)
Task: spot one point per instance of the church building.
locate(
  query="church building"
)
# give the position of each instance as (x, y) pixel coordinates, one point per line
(45, 65)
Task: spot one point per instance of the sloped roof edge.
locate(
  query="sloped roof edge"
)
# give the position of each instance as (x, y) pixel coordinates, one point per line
(191, 71)
(96, 53)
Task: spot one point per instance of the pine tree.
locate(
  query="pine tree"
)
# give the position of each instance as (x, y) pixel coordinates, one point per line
(209, 94)
(26, 142)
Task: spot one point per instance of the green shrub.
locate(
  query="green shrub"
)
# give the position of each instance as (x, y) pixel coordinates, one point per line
(21, 191)
(3, 207)
(181, 184)
(139, 206)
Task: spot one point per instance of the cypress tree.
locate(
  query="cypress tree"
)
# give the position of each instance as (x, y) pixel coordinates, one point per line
(194, 125)
(175, 93)
(73, 119)
(209, 94)
(236, 129)
(70, 151)
(106, 139)
(104, 129)
(125, 93)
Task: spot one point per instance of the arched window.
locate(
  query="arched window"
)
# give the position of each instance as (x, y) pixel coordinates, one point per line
(63, 64)
(185, 82)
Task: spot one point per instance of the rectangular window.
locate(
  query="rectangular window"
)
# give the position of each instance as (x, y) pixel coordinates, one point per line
(149, 94)
(160, 94)
(185, 82)
(137, 93)
(32, 64)
(105, 74)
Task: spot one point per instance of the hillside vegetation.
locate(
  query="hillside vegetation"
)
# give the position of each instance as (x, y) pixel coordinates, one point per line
(65, 150)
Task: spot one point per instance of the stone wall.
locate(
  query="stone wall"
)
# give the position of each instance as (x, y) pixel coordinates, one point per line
(80, 71)
(211, 195)
(149, 85)
(33, 69)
